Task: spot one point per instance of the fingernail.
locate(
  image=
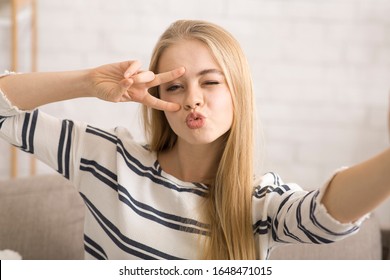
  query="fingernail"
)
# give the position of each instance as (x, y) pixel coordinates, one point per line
(178, 107)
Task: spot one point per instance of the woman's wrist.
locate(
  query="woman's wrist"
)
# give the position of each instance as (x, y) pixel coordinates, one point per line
(81, 84)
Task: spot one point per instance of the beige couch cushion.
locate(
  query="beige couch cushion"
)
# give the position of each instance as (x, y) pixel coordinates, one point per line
(41, 218)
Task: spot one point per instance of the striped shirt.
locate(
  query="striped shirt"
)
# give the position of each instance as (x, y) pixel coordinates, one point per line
(135, 210)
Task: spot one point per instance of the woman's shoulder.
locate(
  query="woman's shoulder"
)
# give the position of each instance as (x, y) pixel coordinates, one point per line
(116, 148)
(273, 181)
(269, 178)
(128, 146)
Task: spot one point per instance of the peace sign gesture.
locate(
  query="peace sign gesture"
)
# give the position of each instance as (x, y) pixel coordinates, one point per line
(124, 82)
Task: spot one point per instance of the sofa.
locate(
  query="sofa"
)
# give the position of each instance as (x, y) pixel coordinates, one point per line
(41, 217)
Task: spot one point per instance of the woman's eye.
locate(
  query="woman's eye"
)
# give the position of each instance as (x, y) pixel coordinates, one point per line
(212, 83)
(173, 87)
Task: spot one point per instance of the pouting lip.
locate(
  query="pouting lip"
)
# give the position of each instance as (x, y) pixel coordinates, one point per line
(195, 120)
(194, 116)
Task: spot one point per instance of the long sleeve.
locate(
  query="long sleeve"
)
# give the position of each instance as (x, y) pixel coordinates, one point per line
(285, 213)
(50, 139)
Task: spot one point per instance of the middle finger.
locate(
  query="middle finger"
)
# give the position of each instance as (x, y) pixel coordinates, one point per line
(143, 77)
(166, 77)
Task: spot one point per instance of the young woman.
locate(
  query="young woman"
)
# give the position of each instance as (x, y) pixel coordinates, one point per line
(191, 191)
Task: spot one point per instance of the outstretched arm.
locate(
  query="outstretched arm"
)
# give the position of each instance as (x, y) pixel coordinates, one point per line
(359, 189)
(116, 82)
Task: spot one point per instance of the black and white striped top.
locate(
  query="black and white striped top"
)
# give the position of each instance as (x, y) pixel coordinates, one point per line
(134, 210)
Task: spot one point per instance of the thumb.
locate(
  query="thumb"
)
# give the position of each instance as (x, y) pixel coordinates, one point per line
(119, 93)
(126, 83)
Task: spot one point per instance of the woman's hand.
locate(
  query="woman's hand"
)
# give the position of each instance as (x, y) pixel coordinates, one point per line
(124, 81)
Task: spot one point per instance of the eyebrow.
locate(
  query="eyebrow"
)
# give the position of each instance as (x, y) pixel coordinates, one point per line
(208, 71)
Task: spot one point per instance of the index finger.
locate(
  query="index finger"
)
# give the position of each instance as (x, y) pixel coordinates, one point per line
(166, 77)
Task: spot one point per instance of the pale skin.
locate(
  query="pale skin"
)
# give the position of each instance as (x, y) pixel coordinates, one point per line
(352, 193)
(117, 82)
(201, 89)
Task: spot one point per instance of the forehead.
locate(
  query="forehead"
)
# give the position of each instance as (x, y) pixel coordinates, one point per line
(194, 55)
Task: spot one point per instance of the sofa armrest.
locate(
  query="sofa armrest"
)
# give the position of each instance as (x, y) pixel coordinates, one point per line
(41, 217)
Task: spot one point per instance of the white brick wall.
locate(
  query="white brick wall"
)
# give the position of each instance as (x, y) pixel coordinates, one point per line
(321, 70)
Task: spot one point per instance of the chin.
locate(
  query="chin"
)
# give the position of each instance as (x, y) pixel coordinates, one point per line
(203, 139)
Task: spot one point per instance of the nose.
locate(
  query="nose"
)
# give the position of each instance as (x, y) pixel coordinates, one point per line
(191, 107)
(193, 100)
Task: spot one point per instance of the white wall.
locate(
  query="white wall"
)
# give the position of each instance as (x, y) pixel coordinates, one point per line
(321, 70)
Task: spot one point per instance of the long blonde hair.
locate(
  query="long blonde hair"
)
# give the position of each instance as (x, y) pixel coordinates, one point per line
(229, 204)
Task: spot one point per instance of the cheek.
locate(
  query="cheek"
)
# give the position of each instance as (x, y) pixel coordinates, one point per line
(169, 97)
(172, 119)
(222, 103)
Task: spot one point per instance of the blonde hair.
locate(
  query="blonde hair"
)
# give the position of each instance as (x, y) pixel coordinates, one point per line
(229, 204)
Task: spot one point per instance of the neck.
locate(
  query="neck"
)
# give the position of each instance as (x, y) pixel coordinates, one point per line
(192, 163)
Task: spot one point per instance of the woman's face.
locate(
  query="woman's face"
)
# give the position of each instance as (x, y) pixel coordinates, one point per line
(206, 111)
